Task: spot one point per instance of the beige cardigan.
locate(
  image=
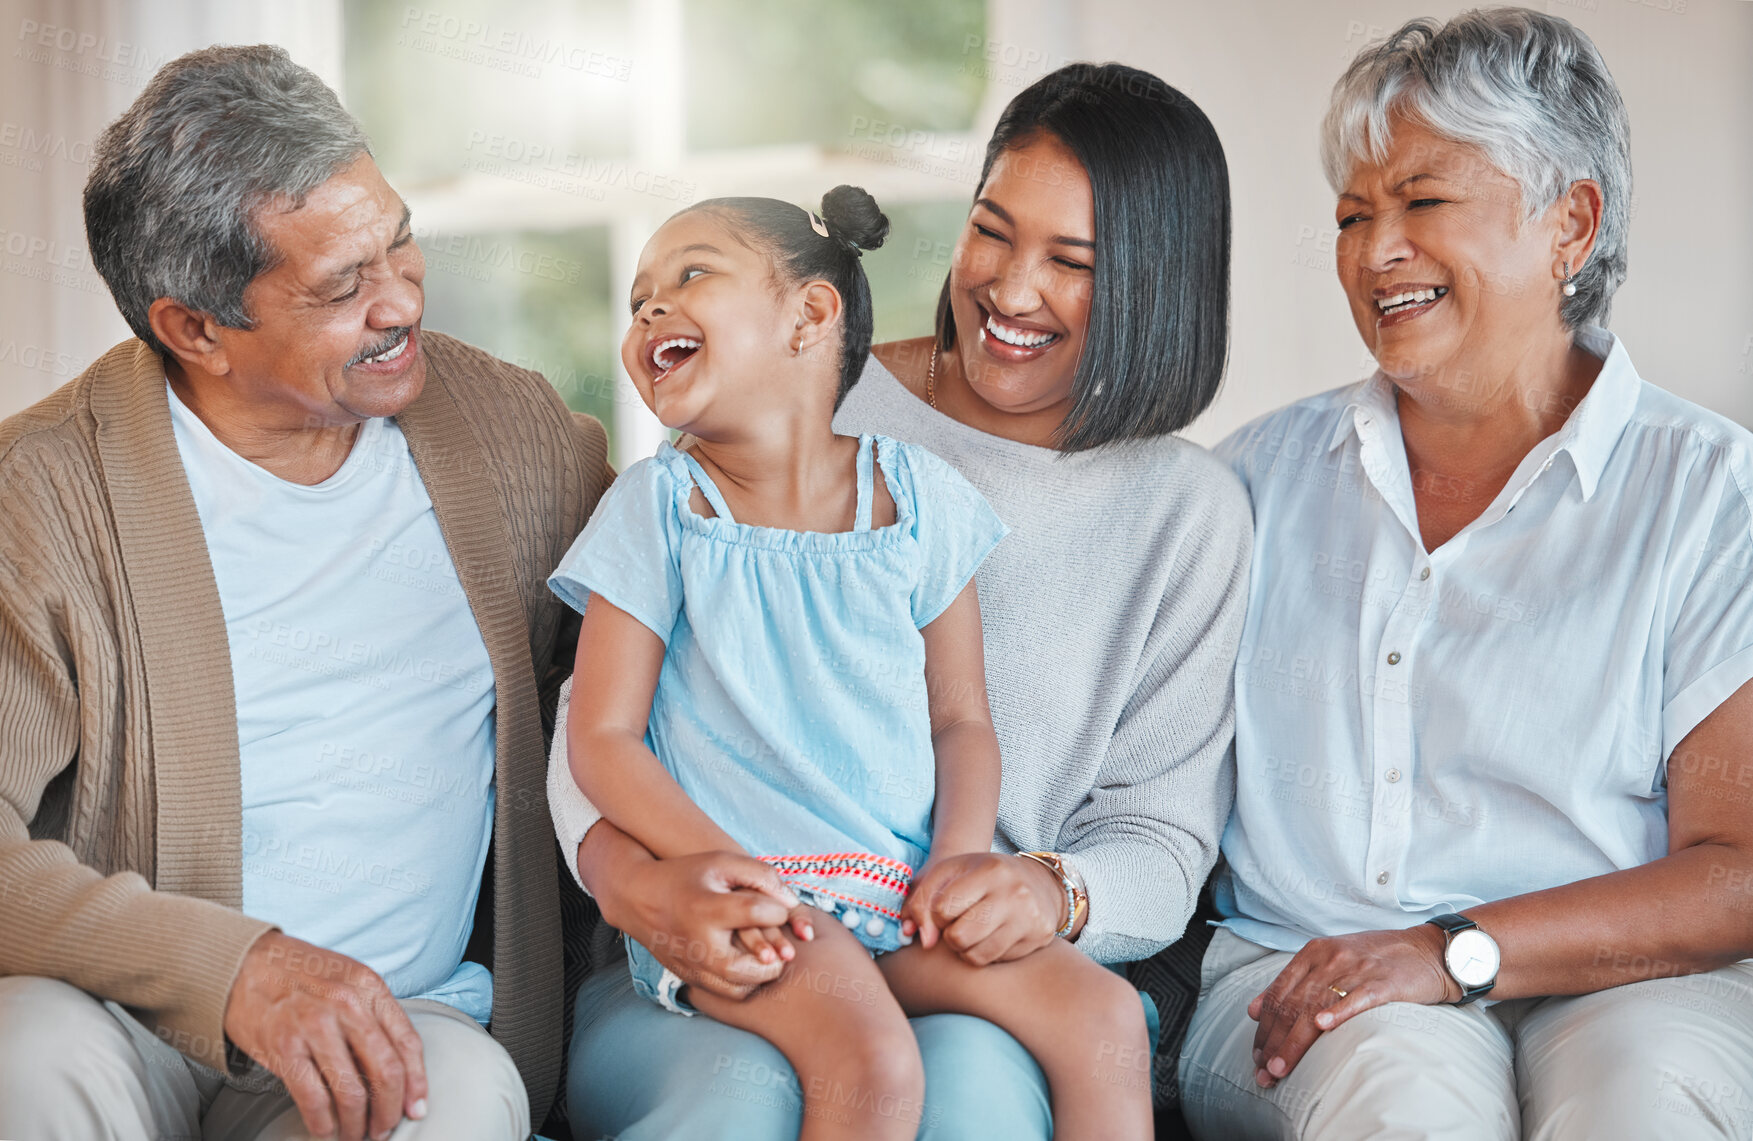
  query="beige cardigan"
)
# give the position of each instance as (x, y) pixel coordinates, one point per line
(120, 825)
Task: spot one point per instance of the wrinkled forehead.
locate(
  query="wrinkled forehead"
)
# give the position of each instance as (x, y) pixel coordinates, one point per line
(1404, 151)
(338, 226)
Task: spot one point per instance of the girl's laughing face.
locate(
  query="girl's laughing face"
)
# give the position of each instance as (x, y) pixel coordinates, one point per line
(710, 326)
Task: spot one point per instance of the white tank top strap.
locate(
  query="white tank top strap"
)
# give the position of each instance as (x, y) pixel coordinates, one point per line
(866, 482)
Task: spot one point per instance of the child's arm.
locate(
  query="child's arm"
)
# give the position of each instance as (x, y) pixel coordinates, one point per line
(962, 738)
(965, 812)
(614, 678)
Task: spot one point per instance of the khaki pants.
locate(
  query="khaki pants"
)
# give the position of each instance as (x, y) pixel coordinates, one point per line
(1668, 1058)
(73, 1068)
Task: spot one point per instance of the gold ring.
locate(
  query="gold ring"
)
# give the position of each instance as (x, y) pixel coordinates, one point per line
(1338, 992)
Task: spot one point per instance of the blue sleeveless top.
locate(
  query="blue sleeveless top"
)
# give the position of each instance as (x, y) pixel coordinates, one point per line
(791, 705)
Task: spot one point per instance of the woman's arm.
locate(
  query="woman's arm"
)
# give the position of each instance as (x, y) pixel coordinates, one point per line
(1690, 911)
(686, 909)
(614, 678)
(1147, 835)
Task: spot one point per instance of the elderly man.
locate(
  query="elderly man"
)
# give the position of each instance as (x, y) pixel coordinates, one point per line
(274, 655)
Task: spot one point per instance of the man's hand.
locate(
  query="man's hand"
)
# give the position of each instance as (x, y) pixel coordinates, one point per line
(329, 1028)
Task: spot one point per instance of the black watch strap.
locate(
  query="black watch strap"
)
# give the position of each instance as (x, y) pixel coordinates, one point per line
(1452, 923)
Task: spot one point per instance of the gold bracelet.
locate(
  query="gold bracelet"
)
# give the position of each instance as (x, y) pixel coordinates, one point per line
(1076, 899)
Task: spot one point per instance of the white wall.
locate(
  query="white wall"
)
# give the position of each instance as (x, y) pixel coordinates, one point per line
(67, 68)
(1262, 70)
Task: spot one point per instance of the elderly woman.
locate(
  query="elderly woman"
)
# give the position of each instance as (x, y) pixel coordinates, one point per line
(1489, 868)
(1082, 324)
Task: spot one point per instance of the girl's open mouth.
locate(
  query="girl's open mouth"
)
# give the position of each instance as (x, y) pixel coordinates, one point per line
(669, 354)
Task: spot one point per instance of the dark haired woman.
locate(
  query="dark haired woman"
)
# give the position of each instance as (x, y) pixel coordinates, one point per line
(1083, 321)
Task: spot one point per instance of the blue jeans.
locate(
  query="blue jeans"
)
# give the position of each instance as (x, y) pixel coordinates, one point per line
(640, 1073)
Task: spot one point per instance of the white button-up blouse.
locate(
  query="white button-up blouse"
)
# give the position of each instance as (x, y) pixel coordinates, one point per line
(1419, 732)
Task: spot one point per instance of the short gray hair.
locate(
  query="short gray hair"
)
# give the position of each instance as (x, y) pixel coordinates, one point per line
(1529, 91)
(177, 181)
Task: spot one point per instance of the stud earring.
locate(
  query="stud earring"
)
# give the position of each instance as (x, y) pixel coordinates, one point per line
(1569, 284)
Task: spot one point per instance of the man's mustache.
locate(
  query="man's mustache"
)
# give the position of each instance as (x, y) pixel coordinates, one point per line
(392, 338)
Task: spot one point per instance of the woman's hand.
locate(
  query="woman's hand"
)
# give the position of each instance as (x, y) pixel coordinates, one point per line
(988, 908)
(691, 909)
(687, 910)
(1372, 968)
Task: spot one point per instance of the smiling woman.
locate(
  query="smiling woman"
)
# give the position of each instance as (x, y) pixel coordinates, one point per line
(1083, 321)
(1091, 349)
(1482, 776)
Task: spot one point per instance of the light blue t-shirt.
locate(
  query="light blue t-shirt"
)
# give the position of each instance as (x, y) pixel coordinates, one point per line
(791, 705)
(364, 709)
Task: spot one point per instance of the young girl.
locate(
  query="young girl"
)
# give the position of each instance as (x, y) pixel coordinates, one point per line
(781, 655)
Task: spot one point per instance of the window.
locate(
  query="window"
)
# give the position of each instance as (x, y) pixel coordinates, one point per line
(540, 142)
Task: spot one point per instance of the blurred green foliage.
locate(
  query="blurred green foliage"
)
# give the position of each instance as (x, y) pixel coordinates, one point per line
(788, 71)
(555, 318)
(907, 273)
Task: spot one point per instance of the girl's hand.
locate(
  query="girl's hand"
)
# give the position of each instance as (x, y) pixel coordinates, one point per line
(770, 945)
(1372, 968)
(988, 908)
(916, 916)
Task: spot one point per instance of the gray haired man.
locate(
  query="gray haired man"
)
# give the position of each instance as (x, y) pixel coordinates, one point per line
(275, 654)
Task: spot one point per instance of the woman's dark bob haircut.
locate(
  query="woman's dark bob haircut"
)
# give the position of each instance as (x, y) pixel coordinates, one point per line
(1158, 334)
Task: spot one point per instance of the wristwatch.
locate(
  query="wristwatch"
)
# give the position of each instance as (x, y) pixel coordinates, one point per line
(1471, 957)
(1077, 896)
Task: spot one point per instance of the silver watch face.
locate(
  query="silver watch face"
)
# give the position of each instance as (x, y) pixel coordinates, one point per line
(1472, 958)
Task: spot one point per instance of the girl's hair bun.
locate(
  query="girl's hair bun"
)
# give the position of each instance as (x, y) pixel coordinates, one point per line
(853, 218)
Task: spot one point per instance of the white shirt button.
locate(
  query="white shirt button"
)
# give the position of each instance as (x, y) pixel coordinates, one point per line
(1383, 878)
(1423, 574)
(1393, 776)
(1394, 658)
